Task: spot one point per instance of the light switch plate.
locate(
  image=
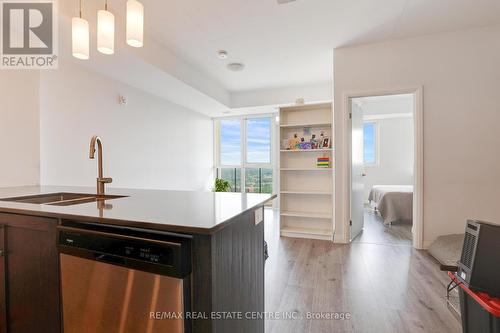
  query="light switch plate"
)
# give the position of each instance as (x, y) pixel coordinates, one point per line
(259, 215)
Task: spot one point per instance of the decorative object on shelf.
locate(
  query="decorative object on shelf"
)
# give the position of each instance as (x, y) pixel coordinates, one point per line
(222, 185)
(297, 145)
(321, 138)
(326, 143)
(305, 145)
(306, 131)
(106, 30)
(293, 142)
(314, 142)
(323, 162)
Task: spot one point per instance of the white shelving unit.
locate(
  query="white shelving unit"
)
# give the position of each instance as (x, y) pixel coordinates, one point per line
(306, 125)
(306, 191)
(305, 150)
(307, 169)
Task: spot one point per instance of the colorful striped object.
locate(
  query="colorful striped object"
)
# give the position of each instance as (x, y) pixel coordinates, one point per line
(323, 162)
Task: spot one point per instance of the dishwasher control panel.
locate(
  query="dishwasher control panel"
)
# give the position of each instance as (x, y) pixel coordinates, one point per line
(140, 249)
(127, 248)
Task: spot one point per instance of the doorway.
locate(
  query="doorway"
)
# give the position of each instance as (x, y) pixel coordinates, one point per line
(385, 168)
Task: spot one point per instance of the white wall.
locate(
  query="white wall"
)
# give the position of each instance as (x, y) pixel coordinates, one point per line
(19, 128)
(394, 121)
(150, 143)
(460, 76)
(395, 165)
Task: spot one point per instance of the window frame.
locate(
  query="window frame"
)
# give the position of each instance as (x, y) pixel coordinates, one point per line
(243, 139)
(376, 127)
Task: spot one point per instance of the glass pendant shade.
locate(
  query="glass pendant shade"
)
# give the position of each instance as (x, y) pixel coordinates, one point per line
(105, 32)
(80, 38)
(135, 23)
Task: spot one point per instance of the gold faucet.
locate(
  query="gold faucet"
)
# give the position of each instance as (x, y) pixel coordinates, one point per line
(100, 179)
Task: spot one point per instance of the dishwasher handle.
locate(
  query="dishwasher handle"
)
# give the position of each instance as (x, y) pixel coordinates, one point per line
(110, 259)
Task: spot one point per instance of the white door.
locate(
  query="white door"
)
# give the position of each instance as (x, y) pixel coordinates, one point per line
(357, 170)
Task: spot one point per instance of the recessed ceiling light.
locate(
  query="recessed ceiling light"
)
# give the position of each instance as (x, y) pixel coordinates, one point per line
(282, 2)
(222, 54)
(236, 67)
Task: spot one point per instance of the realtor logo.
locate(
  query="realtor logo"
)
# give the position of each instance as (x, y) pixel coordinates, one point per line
(29, 34)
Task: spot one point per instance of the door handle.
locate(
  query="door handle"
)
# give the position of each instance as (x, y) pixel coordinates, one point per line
(363, 174)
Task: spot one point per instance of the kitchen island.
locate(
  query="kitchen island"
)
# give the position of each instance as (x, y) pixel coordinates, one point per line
(221, 277)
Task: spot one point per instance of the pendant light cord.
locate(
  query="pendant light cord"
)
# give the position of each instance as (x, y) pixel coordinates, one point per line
(80, 8)
(106, 5)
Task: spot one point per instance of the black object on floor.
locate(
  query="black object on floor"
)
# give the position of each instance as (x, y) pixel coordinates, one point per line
(479, 266)
(479, 311)
(475, 318)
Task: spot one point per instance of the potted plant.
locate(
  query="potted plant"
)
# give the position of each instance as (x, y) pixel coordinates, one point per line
(222, 185)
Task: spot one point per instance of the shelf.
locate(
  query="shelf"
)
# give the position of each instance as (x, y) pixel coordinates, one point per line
(306, 169)
(307, 215)
(304, 188)
(307, 192)
(305, 150)
(307, 233)
(307, 125)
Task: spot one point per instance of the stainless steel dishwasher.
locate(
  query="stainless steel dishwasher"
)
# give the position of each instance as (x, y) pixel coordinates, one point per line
(123, 280)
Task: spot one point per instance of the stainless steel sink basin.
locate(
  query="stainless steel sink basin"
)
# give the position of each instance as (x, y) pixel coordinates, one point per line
(62, 199)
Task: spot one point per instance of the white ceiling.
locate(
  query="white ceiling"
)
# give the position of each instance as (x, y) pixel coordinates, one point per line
(291, 45)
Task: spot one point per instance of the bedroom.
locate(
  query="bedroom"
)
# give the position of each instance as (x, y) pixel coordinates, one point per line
(382, 211)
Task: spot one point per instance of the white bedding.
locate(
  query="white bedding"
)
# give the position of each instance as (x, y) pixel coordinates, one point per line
(394, 202)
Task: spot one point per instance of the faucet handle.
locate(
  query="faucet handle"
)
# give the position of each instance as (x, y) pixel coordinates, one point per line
(105, 180)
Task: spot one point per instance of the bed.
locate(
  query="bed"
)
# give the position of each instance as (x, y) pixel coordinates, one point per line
(393, 202)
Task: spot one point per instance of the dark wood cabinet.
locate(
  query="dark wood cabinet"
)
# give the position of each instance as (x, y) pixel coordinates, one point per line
(29, 275)
(3, 301)
(228, 277)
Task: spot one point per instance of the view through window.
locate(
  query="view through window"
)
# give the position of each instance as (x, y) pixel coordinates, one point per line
(245, 154)
(370, 143)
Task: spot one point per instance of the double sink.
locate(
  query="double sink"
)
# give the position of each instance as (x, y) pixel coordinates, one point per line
(62, 199)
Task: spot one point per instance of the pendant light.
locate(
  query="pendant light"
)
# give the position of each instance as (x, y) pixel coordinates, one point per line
(135, 23)
(105, 31)
(80, 36)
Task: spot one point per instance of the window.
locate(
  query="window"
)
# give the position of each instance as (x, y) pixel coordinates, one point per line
(370, 154)
(230, 142)
(244, 155)
(233, 176)
(258, 180)
(259, 140)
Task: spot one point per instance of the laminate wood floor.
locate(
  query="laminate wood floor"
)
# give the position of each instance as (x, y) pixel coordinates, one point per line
(385, 287)
(376, 232)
